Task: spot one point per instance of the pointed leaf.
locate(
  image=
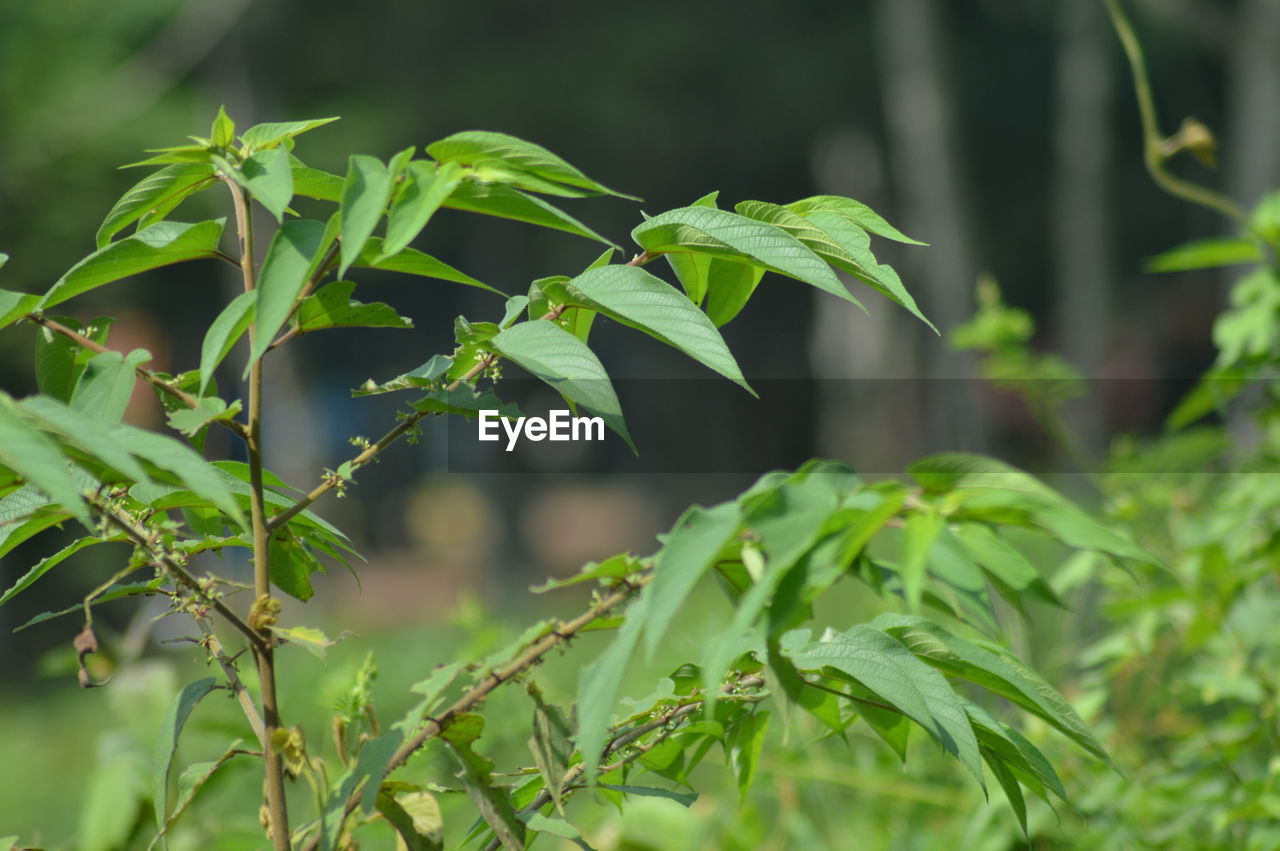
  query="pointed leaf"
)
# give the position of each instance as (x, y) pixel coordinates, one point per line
(689, 552)
(426, 188)
(37, 459)
(262, 136)
(155, 196)
(413, 262)
(161, 244)
(856, 212)
(495, 199)
(292, 256)
(106, 387)
(524, 161)
(333, 307)
(16, 306)
(45, 565)
(599, 684)
(918, 536)
(167, 742)
(633, 297)
(84, 432)
(993, 669)
(566, 364)
(720, 233)
(365, 194)
(268, 177)
(224, 333)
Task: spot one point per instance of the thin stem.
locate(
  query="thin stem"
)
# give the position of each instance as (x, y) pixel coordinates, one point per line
(1154, 151)
(532, 655)
(163, 385)
(179, 574)
(372, 451)
(625, 737)
(249, 708)
(854, 698)
(264, 653)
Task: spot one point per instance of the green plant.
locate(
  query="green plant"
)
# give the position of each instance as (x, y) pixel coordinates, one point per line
(776, 550)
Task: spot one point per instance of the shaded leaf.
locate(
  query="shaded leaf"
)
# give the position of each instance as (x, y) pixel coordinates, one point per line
(425, 189)
(292, 256)
(167, 742)
(154, 197)
(161, 244)
(495, 199)
(365, 194)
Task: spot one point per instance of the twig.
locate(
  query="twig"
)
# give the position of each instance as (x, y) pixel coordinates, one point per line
(532, 655)
(161, 384)
(168, 565)
(1154, 149)
(242, 694)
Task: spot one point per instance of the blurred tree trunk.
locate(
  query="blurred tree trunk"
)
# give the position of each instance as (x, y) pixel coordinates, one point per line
(923, 160)
(1252, 157)
(1081, 212)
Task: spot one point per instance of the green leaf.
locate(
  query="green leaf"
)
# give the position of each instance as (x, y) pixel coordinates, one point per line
(37, 459)
(367, 773)
(43, 566)
(426, 188)
(691, 269)
(632, 296)
(60, 362)
(292, 256)
(161, 244)
(1009, 783)
(689, 552)
(191, 781)
(365, 194)
(1021, 757)
(262, 136)
(720, 233)
(889, 669)
(495, 199)
(1205, 254)
(599, 684)
(106, 387)
(992, 668)
(681, 798)
(167, 742)
(729, 287)
(416, 819)
(523, 164)
(313, 183)
(839, 240)
(494, 804)
(224, 333)
(856, 212)
(16, 306)
(413, 262)
(193, 471)
(465, 401)
(550, 745)
(566, 364)
(154, 197)
(291, 566)
(333, 307)
(223, 131)
(746, 744)
(115, 592)
(315, 641)
(1004, 562)
(268, 177)
(918, 536)
(189, 421)
(84, 432)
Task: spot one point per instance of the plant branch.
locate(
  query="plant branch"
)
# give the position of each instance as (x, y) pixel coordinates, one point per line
(1155, 151)
(176, 571)
(626, 737)
(163, 385)
(233, 677)
(264, 653)
(532, 655)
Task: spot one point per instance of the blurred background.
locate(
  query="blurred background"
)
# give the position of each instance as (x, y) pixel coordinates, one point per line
(1004, 133)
